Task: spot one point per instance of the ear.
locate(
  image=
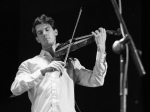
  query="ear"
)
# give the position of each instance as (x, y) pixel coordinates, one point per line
(56, 32)
(37, 39)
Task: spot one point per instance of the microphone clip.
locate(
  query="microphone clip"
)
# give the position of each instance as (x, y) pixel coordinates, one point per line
(119, 45)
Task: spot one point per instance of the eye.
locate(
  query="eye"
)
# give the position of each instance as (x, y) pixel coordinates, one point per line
(47, 29)
(40, 32)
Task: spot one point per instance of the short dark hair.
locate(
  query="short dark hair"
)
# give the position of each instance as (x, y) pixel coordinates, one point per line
(42, 20)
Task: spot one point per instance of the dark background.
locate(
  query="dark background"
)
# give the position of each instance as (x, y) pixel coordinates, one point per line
(18, 44)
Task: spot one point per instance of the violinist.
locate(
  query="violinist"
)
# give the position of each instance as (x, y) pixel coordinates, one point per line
(47, 89)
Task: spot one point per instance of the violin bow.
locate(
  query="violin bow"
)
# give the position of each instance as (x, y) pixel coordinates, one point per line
(70, 43)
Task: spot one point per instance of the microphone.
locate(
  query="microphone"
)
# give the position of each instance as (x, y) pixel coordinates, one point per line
(118, 45)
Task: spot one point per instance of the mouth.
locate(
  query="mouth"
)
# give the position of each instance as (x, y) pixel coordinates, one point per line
(47, 38)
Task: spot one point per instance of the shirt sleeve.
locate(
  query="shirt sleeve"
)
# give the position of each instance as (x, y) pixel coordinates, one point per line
(24, 79)
(91, 78)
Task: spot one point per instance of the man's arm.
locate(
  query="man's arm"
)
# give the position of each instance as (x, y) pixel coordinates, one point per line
(91, 78)
(24, 79)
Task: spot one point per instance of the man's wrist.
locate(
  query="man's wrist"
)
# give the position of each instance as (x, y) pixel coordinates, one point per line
(101, 48)
(43, 71)
(49, 69)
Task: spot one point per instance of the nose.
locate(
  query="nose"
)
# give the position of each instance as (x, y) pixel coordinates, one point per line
(44, 32)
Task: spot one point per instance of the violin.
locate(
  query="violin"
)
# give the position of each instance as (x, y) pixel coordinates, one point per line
(76, 43)
(80, 42)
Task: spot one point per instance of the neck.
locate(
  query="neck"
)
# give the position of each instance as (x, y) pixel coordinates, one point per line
(47, 48)
(54, 45)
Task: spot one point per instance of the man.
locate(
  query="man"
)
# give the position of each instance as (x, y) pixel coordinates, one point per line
(50, 84)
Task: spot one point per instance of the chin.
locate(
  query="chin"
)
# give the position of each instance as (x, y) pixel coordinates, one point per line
(50, 43)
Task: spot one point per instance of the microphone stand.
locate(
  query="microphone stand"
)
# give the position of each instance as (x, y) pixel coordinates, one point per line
(135, 57)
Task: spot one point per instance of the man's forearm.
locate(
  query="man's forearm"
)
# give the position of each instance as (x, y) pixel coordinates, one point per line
(101, 55)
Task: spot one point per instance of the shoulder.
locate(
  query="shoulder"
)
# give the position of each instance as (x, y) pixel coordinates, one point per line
(33, 63)
(34, 59)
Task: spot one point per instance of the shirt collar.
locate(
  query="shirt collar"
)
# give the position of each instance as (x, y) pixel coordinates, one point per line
(42, 53)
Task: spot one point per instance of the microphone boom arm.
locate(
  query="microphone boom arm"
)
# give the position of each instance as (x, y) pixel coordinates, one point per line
(135, 54)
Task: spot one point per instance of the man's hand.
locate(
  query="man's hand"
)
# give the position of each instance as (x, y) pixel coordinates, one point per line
(100, 38)
(58, 65)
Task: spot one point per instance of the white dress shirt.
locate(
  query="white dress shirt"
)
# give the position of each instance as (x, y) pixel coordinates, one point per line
(30, 79)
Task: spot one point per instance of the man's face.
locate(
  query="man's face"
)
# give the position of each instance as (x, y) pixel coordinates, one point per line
(45, 34)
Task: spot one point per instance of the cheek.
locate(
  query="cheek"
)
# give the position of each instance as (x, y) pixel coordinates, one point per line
(52, 35)
(41, 39)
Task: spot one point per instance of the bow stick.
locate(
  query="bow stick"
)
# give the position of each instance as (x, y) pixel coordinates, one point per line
(68, 50)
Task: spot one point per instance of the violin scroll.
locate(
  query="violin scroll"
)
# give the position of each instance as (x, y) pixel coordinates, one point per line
(118, 32)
